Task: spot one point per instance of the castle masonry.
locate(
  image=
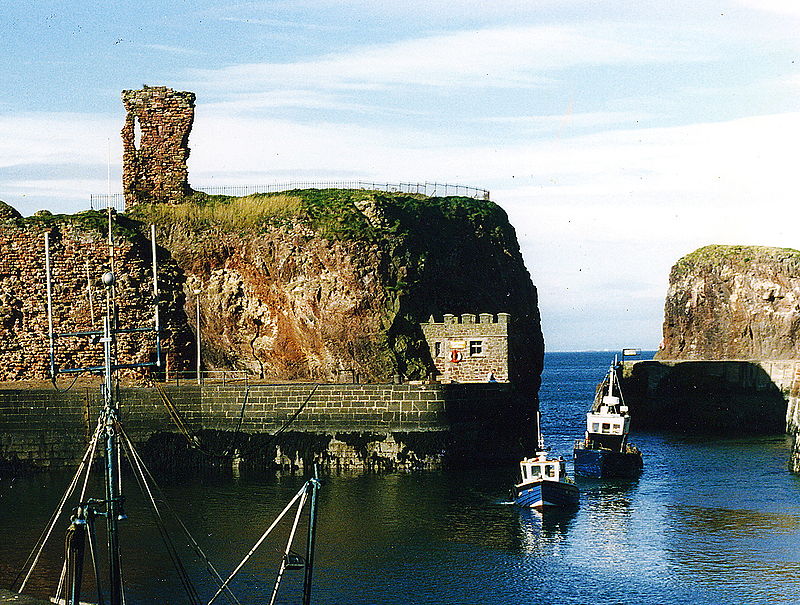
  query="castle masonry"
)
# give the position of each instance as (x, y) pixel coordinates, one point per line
(469, 348)
(155, 144)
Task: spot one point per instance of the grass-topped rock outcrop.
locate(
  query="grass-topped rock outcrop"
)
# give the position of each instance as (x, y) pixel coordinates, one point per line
(733, 302)
(305, 283)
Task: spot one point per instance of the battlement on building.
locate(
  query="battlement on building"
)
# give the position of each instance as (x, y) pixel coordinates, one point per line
(469, 347)
(471, 318)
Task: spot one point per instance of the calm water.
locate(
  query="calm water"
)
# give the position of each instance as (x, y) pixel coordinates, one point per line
(709, 521)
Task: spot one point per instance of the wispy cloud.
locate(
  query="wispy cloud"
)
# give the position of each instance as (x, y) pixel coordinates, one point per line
(568, 120)
(782, 7)
(502, 58)
(281, 23)
(48, 138)
(174, 50)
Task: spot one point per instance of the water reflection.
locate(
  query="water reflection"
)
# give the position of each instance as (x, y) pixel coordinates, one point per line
(731, 548)
(543, 533)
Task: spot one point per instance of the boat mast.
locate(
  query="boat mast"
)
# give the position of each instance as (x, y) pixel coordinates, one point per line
(110, 413)
(539, 438)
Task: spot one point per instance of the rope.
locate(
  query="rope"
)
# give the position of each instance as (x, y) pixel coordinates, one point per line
(192, 542)
(258, 543)
(192, 439)
(238, 424)
(175, 415)
(288, 547)
(71, 384)
(191, 591)
(45, 536)
(288, 423)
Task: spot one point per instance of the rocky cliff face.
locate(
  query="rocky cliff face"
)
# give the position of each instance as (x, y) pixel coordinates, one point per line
(339, 282)
(733, 302)
(344, 283)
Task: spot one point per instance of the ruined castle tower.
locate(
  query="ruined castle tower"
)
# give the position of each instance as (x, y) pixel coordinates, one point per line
(155, 144)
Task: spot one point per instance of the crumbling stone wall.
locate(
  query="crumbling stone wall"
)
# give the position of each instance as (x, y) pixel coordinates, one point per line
(79, 256)
(469, 350)
(155, 144)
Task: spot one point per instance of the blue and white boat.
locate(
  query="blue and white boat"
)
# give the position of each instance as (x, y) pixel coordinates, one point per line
(605, 452)
(544, 482)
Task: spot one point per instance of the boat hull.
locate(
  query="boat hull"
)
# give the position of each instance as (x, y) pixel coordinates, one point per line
(606, 464)
(542, 494)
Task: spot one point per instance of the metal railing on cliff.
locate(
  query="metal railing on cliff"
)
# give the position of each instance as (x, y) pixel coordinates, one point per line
(101, 201)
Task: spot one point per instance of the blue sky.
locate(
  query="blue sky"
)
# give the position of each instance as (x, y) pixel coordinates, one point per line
(618, 136)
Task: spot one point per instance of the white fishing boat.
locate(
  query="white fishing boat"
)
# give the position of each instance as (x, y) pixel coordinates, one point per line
(605, 452)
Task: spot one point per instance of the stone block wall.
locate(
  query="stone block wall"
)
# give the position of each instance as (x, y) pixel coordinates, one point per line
(44, 428)
(155, 144)
(732, 397)
(338, 426)
(469, 348)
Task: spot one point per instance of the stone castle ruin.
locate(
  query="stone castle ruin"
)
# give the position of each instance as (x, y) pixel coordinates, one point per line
(155, 144)
(282, 302)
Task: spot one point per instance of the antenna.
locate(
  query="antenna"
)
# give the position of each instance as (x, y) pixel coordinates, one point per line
(110, 413)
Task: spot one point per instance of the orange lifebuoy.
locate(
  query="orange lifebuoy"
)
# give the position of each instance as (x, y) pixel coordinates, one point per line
(456, 356)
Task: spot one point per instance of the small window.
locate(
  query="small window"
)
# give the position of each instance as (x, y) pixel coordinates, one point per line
(617, 428)
(606, 427)
(595, 427)
(437, 348)
(549, 470)
(524, 472)
(475, 347)
(536, 471)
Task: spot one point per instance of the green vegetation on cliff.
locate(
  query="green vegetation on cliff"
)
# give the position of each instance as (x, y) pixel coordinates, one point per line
(716, 255)
(92, 221)
(337, 214)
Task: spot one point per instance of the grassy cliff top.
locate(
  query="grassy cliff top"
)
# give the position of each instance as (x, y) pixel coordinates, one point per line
(352, 214)
(733, 255)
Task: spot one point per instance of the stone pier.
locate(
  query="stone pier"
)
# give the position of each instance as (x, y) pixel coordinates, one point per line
(730, 396)
(340, 426)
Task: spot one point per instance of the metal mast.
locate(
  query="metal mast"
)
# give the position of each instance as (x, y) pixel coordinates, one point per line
(114, 510)
(110, 412)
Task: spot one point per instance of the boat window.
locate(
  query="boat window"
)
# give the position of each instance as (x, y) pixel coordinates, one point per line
(549, 470)
(595, 427)
(617, 428)
(536, 471)
(606, 427)
(524, 472)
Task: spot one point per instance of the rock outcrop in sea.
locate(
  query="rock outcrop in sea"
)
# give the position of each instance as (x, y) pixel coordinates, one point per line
(733, 302)
(730, 356)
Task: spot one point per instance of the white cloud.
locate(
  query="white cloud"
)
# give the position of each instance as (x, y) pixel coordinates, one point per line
(58, 138)
(501, 57)
(782, 7)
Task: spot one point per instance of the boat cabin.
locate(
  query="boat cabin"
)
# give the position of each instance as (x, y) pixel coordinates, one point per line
(542, 467)
(606, 423)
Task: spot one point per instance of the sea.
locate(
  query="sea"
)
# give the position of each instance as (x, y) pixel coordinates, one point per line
(711, 520)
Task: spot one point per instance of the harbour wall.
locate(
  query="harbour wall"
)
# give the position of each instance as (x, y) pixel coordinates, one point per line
(263, 426)
(728, 396)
